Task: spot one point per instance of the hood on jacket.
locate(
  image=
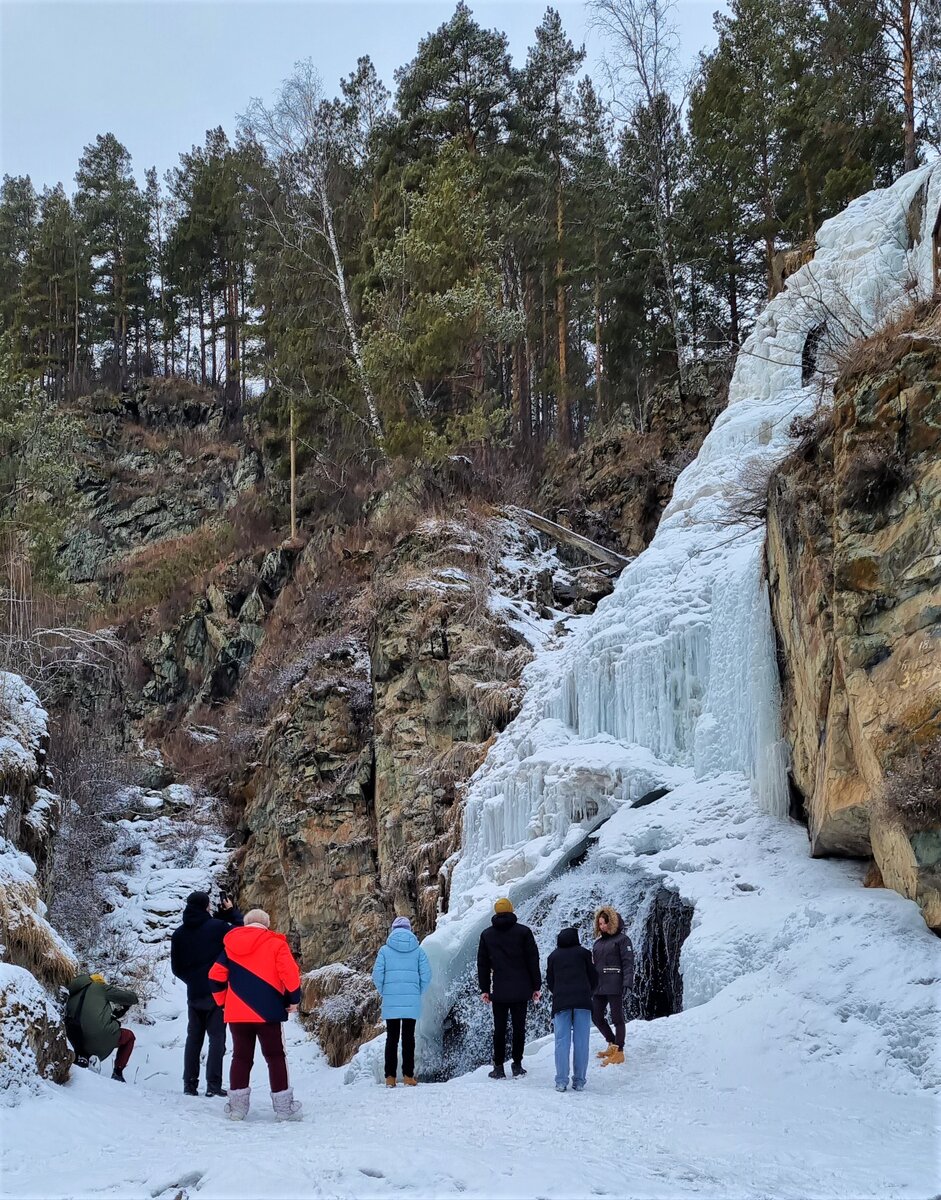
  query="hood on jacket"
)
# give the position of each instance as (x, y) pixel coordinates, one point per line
(245, 939)
(567, 937)
(402, 940)
(503, 920)
(193, 917)
(615, 924)
(79, 982)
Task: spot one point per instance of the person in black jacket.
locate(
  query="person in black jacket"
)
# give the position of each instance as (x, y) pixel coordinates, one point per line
(613, 956)
(509, 977)
(571, 978)
(194, 947)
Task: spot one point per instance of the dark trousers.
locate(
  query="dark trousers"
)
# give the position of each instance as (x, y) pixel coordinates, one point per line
(407, 1027)
(613, 1037)
(205, 1017)
(271, 1038)
(517, 1011)
(125, 1046)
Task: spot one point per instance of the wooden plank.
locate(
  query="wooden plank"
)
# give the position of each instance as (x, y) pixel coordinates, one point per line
(560, 534)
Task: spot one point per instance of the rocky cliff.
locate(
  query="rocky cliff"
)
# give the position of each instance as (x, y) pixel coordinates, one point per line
(337, 692)
(854, 563)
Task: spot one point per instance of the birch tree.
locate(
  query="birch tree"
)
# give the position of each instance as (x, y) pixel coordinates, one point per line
(300, 132)
(641, 58)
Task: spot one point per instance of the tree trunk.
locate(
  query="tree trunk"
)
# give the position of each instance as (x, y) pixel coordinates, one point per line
(293, 475)
(561, 307)
(212, 338)
(372, 407)
(202, 341)
(906, 34)
(599, 360)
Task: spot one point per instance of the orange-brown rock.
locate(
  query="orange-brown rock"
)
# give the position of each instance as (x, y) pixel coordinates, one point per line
(854, 562)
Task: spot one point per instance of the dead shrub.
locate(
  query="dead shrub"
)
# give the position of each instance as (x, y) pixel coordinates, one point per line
(878, 353)
(749, 505)
(90, 775)
(498, 702)
(809, 431)
(873, 478)
(342, 1008)
(911, 794)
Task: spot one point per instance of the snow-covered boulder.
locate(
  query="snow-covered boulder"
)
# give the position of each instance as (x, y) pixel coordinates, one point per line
(36, 962)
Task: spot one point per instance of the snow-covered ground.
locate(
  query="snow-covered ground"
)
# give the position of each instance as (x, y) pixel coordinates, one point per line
(756, 1091)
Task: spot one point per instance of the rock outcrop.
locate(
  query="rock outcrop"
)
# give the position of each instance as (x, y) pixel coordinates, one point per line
(151, 466)
(854, 563)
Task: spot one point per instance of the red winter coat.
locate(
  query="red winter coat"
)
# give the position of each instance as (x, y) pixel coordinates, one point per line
(255, 978)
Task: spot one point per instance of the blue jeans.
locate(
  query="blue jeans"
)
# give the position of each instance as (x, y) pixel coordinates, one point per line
(572, 1028)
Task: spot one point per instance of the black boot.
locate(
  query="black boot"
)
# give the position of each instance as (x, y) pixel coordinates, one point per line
(81, 1060)
(118, 1074)
(190, 1088)
(517, 1069)
(216, 1090)
(497, 1072)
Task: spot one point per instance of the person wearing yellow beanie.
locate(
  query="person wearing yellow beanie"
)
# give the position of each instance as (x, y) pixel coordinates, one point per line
(509, 977)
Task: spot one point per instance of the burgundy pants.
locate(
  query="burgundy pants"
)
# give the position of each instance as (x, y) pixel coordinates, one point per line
(270, 1035)
(125, 1046)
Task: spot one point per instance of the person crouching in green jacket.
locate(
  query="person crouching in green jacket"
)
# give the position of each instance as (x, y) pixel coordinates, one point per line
(92, 1025)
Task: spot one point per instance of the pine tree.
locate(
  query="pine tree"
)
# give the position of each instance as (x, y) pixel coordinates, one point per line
(19, 210)
(115, 226)
(549, 122)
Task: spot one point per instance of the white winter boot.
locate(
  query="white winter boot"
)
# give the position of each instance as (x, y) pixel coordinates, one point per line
(286, 1108)
(236, 1108)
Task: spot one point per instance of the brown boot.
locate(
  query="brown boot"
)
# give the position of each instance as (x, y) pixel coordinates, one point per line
(410, 1081)
(614, 1058)
(607, 1052)
(390, 1081)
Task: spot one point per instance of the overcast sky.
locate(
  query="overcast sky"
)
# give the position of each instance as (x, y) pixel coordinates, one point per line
(158, 75)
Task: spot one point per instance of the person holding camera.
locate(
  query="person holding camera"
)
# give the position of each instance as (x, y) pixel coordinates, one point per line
(194, 947)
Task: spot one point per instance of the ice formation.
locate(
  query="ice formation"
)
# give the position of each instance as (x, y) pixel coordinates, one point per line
(674, 679)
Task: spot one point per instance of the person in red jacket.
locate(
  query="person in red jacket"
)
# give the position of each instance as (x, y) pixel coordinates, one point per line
(257, 983)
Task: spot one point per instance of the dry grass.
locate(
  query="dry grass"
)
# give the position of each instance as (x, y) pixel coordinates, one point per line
(343, 1010)
(873, 477)
(28, 940)
(169, 573)
(498, 702)
(911, 795)
(877, 354)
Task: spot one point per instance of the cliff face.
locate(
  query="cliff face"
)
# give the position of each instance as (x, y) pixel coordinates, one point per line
(351, 806)
(854, 563)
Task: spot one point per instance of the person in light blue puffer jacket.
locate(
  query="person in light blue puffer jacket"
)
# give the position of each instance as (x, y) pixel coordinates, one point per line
(402, 974)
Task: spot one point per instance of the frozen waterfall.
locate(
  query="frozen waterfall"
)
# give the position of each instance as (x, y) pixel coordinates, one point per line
(674, 678)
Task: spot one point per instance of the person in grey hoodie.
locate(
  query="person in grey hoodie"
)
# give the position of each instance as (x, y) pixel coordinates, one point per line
(402, 974)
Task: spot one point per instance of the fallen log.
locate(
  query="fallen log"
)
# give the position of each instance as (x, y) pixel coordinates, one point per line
(568, 536)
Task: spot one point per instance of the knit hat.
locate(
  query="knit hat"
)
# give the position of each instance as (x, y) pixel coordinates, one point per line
(503, 905)
(402, 923)
(198, 900)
